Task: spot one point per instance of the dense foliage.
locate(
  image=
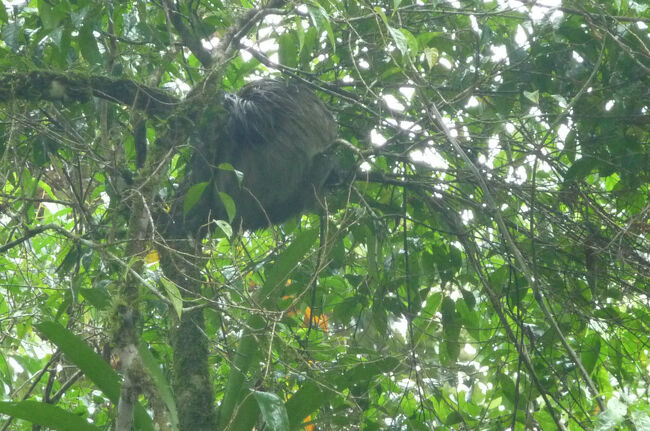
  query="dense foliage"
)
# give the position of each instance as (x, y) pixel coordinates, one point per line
(486, 268)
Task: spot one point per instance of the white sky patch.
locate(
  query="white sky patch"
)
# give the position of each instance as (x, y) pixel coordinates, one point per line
(562, 133)
(474, 24)
(302, 9)
(641, 25)
(516, 176)
(577, 57)
(410, 126)
(494, 146)
(609, 105)
(209, 44)
(41, 350)
(391, 121)
(555, 17)
(177, 86)
(363, 64)
(245, 55)
(451, 126)
(561, 101)
(393, 103)
(400, 325)
(15, 366)
(542, 9)
(466, 216)
(365, 167)
(444, 63)
(538, 114)
(376, 138)
(541, 164)
(264, 33)
(10, 4)
(472, 102)
(511, 4)
(469, 349)
(407, 92)
(521, 38)
(429, 157)
(537, 13)
(499, 53)
(268, 45)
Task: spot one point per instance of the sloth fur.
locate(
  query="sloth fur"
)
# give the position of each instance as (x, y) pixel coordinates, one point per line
(279, 135)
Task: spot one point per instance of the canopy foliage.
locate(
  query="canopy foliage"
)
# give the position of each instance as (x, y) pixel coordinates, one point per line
(485, 267)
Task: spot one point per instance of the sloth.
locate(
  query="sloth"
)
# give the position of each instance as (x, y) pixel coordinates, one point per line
(273, 158)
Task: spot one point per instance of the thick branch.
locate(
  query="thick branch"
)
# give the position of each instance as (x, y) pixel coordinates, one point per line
(188, 38)
(75, 87)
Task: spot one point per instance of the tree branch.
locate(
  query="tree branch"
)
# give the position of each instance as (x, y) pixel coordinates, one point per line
(74, 87)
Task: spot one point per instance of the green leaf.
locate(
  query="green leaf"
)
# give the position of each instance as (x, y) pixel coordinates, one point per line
(305, 401)
(570, 145)
(532, 96)
(300, 33)
(193, 196)
(508, 388)
(234, 393)
(312, 395)
(590, 351)
(11, 34)
(381, 13)
(29, 183)
(229, 168)
(46, 415)
(286, 262)
(431, 55)
(88, 45)
(451, 325)
(321, 20)
(97, 296)
(92, 365)
(246, 415)
(273, 411)
(174, 295)
(229, 205)
(287, 52)
(225, 227)
(400, 40)
(310, 41)
(453, 418)
(411, 41)
(4, 16)
(580, 169)
(48, 14)
(469, 298)
(78, 352)
(367, 371)
(162, 385)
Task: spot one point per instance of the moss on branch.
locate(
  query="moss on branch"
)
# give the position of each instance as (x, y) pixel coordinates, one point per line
(42, 85)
